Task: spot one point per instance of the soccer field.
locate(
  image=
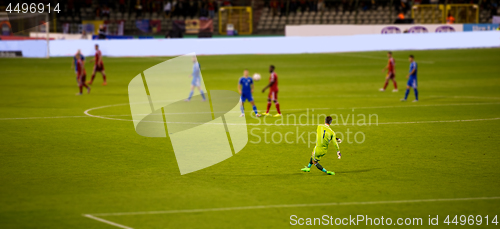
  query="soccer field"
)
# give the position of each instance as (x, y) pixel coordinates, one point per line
(71, 161)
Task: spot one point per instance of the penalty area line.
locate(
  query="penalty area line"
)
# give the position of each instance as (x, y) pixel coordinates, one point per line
(106, 221)
(293, 206)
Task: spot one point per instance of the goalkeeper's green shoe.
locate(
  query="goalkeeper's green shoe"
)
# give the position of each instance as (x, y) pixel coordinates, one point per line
(330, 173)
(306, 169)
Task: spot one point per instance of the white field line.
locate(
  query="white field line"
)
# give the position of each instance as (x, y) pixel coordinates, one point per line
(441, 121)
(106, 221)
(87, 112)
(315, 124)
(383, 95)
(428, 105)
(379, 58)
(467, 97)
(325, 108)
(55, 117)
(312, 109)
(292, 206)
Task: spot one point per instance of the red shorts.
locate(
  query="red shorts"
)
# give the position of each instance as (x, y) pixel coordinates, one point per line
(273, 95)
(82, 79)
(99, 68)
(391, 75)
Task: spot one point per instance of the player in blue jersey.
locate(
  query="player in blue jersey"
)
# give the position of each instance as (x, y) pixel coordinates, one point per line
(412, 79)
(245, 88)
(74, 64)
(196, 82)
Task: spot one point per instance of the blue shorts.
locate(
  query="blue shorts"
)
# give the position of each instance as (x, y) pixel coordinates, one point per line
(412, 82)
(196, 82)
(246, 97)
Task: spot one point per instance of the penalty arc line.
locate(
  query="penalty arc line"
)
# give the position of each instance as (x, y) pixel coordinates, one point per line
(292, 206)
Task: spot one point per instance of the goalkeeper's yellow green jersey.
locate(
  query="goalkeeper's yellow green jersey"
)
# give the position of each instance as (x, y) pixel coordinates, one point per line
(325, 136)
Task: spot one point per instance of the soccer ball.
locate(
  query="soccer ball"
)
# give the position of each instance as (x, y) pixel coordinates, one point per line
(256, 77)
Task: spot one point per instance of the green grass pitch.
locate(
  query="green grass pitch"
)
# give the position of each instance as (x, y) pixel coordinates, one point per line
(57, 163)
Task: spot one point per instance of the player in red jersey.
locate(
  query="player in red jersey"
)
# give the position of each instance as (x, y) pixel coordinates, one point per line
(391, 73)
(81, 74)
(273, 92)
(98, 66)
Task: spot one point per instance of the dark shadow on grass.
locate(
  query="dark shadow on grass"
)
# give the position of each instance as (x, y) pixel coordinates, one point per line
(259, 175)
(356, 171)
(299, 173)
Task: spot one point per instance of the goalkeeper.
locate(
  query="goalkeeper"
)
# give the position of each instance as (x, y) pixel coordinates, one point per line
(323, 138)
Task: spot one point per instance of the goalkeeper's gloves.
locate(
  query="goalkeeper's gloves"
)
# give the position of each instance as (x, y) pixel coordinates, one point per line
(339, 140)
(339, 155)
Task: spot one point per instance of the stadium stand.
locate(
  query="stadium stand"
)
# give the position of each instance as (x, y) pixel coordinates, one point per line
(269, 16)
(273, 18)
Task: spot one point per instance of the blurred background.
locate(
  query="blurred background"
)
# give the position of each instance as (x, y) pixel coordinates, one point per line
(147, 19)
(66, 160)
